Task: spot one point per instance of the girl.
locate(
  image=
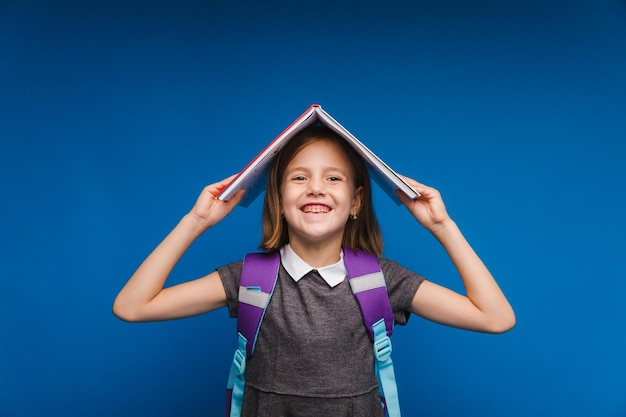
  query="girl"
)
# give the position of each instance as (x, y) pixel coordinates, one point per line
(313, 356)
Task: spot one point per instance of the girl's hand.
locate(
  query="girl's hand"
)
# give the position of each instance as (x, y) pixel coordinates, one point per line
(428, 209)
(209, 209)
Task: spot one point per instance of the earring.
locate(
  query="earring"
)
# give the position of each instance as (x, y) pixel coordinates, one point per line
(354, 216)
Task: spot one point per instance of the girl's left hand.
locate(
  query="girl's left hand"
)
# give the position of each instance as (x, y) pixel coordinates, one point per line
(428, 209)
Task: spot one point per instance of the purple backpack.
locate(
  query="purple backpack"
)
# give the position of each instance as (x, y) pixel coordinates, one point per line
(258, 279)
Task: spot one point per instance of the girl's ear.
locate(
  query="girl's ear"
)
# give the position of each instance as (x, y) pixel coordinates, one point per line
(357, 201)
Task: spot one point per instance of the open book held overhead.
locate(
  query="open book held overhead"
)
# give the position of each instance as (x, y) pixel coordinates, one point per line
(254, 176)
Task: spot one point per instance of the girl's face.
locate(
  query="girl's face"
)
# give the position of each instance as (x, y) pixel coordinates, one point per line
(318, 194)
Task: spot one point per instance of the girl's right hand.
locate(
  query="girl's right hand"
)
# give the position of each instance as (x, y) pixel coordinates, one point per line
(209, 209)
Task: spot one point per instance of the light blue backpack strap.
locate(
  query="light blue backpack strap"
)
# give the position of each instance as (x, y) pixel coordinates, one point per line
(258, 280)
(384, 370)
(236, 379)
(369, 288)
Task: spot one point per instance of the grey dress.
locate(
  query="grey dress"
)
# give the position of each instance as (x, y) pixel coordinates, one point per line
(313, 356)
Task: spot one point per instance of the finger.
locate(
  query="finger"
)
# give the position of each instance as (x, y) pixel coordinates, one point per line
(413, 183)
(234, 200)
(404, 199)
(224, 183)
(216, 188)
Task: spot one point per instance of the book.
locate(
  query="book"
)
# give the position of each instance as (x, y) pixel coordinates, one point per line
(253, 176)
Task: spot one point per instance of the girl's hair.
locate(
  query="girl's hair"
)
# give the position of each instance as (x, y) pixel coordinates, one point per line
(361, 233)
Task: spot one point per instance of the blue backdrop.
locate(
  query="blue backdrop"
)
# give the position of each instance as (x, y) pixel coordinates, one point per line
(114, 115)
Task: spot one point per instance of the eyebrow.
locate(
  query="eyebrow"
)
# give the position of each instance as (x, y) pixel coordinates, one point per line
(325, 169)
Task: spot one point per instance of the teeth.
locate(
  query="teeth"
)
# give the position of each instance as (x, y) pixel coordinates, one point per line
(315, 209)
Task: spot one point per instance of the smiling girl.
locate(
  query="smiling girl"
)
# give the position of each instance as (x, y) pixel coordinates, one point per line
(313, 356)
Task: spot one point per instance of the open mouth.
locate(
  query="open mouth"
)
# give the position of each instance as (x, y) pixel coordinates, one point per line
(315, 209)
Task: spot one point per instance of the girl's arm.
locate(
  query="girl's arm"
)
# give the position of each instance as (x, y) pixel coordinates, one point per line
(143, 298)
(484, 308)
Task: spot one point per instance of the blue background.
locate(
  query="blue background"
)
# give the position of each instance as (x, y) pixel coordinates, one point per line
(114, 115)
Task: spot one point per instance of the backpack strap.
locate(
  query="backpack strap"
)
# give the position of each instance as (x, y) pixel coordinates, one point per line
(369, 288)
(258, 280)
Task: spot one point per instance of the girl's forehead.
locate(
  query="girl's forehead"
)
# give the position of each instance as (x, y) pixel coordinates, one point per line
(322, 146)
(321, 152)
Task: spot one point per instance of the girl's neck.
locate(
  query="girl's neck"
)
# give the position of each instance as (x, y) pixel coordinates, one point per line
(317, 256)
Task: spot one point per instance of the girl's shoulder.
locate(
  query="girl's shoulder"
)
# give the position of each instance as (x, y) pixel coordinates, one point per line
(402, 284)
(394, 267)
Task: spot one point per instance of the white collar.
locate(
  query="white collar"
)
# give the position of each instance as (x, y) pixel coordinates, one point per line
(296, 267)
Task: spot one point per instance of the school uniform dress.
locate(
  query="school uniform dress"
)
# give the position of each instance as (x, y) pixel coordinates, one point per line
(313, 356)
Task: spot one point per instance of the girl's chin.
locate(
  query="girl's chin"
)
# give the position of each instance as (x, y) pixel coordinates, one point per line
(317, 236)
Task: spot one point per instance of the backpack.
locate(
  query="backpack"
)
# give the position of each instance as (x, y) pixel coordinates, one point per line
(258, 279)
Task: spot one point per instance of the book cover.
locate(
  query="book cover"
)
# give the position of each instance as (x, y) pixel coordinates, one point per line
(253, 177)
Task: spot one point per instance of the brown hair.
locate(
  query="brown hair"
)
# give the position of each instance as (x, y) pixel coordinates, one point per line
(361, 233)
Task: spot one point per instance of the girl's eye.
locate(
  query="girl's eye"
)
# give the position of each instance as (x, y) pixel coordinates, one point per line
(298, 178)
(334, 179)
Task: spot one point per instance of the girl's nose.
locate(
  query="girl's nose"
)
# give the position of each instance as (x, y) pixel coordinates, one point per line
(316, 187)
